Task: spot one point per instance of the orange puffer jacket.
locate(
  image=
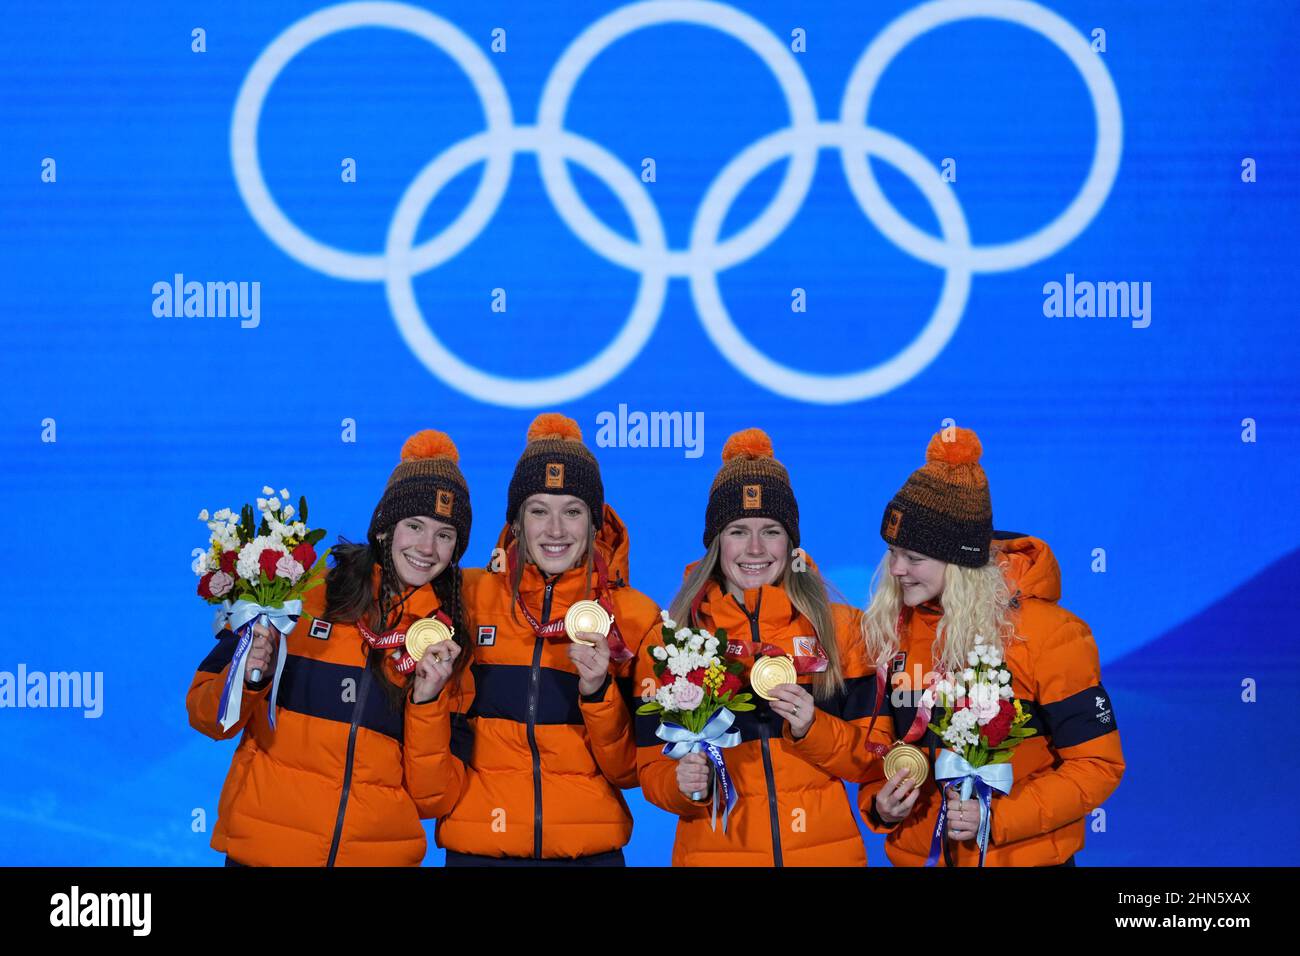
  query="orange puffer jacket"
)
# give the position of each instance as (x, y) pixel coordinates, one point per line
(1061, 773)
(793, 808)
(546, 765)
(343, 779)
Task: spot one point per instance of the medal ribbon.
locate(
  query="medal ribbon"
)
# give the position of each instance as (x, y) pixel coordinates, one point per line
(919, 722)
(813, 663)
(404, 663)
(553, 630)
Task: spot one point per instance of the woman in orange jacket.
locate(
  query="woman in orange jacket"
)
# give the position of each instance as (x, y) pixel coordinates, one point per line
(349, 769)
(551, 729)
(947, 580)
(788, 769)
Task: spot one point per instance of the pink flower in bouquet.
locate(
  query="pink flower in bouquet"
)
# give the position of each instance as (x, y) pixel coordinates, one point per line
(305, 555)
(984, 701)
(268, 560)
(288, 568)
(686, 695)
(220, 584)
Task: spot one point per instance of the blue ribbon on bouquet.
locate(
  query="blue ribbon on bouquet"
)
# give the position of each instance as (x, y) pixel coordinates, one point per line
(951, 770)
(241, 616)
(711, 741)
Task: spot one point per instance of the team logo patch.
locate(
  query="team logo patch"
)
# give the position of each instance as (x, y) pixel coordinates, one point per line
(751, 497)
(893, 524)
(442, 505)
(487, 635)
(555, 474)
(1103, 710)
(899, 664)
(805, 646)
(320, 629)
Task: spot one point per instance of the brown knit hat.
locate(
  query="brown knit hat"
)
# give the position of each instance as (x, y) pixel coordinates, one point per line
(427, 481)
(556, 462)
(750, 484)
(943, 511)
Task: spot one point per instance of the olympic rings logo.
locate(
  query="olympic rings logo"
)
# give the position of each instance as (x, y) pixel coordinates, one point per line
(705, 257)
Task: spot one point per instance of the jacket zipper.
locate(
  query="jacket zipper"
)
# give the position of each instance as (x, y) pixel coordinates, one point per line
(763, 733)
(357, 710)
(534, 692)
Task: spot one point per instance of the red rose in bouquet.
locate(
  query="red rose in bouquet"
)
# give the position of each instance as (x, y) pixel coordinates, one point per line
(997, 729)
(305, 555)
(268, 559)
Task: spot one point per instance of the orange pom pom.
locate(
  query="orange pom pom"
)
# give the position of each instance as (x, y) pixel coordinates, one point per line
(964, 449)
(554, 425)
(430, 444)
(750, 443)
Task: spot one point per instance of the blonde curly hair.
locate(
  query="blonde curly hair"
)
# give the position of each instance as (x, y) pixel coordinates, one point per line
(976, 603)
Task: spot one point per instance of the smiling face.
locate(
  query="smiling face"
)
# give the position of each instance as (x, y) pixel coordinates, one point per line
(422, 549)
(554, 530)
(919, 578)
(752, 553)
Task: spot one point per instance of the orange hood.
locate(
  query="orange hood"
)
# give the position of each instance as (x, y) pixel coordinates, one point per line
(1031, 567)
(612, 542)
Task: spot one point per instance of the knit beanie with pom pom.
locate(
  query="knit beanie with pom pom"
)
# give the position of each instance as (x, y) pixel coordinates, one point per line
(750, 484)
(943, 511)
(427, 481)
(556, 462)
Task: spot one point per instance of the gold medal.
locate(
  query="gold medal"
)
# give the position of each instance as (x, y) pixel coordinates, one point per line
(913, 758)
(586, 617)
(768, 672)
(425, 633)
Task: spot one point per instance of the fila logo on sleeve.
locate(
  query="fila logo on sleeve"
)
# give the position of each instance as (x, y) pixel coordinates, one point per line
(320, 629)
(487, 635)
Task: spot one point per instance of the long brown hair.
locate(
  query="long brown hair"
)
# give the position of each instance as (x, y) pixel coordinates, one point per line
(807, 592)
(350, 597)
(522, 557)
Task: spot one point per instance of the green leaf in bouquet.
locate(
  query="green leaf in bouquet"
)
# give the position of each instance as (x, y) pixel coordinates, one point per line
(263, 528)
(314, 536)
(740, 706)
(652, 707)
(302, 508)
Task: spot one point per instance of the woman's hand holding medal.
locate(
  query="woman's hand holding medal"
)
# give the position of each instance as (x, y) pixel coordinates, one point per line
(897, 797)
(261, 656)
(796, 705)
(433, 671)
(590, 654)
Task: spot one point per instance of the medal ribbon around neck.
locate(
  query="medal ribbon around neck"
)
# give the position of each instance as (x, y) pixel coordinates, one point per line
(554, 630)
(922, 718)
(403, 663)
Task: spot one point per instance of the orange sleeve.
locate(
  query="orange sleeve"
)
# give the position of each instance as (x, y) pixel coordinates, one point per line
(608, 714)
(1077, 712)
(204, 696)
(836, 742)
(436, 749)
(657, 772)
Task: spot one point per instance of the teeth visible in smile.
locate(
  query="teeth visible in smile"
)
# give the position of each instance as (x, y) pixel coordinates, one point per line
(555, 548)
(752, 568)
(422, 565)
